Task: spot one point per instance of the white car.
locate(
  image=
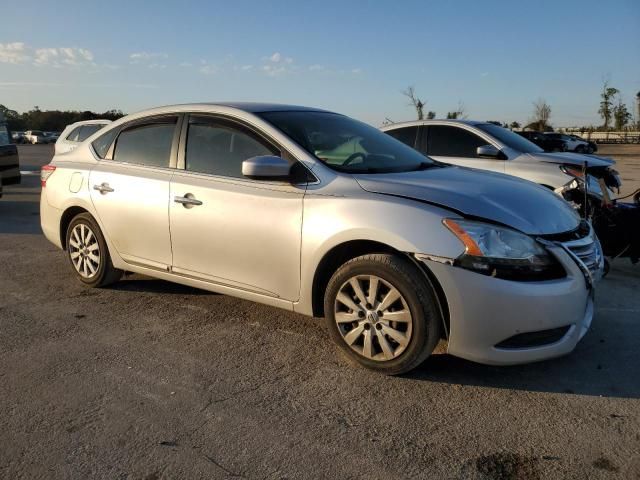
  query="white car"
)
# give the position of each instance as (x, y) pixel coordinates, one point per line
(76, 133)
(487, 146)
(35, 136)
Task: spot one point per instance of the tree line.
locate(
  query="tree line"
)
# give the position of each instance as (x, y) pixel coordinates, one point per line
(52, 120)
(612, 109)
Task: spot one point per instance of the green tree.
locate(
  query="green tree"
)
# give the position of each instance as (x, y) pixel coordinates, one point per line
(621, 115)
(514, 125)
(606, 104)
(431, 115)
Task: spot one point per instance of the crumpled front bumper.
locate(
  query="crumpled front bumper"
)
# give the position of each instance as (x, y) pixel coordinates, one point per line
(485, 311)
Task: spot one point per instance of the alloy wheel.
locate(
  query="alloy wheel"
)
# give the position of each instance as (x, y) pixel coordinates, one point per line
(373, 317)
(84, 251)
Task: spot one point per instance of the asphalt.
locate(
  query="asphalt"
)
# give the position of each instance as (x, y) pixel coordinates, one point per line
(150, 380)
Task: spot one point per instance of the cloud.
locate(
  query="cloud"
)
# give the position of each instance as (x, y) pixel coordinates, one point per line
(356, 71)
(277, 64)
(150, 59)
(145, 56)
(207, 68)
(15, 53)
(316, 68)
(58, 57)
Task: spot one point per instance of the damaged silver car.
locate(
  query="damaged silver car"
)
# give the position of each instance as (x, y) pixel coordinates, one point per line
(317, 213)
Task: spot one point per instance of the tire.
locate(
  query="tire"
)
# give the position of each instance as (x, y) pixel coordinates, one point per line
(580, 149)
(83, 248)
(589, 149)
(417, 317)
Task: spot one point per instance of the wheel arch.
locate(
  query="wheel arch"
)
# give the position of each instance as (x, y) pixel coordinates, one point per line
(343, 252)
(67, 216)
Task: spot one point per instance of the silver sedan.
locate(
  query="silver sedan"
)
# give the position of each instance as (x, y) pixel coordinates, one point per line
(314, 212)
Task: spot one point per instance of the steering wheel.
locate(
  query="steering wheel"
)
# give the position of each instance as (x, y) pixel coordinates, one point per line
(353, 156)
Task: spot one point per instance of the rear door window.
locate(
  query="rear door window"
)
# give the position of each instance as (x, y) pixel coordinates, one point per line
(449, 141)
(146, 143)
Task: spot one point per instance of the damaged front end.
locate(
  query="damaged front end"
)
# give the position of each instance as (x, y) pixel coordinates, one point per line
(616, 223)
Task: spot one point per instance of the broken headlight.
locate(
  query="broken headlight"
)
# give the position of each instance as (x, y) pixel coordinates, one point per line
(502, 252)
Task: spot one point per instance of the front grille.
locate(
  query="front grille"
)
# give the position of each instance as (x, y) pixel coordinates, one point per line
(534, 339)
(583, 244)
(588, 254)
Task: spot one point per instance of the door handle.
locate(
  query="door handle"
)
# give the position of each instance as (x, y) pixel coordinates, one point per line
(103, 188)
(187, 201)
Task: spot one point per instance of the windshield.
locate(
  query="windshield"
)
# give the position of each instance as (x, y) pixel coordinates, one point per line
(347, 145)
(510, 139)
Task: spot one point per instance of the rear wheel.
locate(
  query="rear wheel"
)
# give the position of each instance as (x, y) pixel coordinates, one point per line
(580, 149)
(88, 253)
(381, 311)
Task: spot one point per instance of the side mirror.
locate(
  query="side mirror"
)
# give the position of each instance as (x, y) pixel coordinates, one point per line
(266, 167)
(488, 151)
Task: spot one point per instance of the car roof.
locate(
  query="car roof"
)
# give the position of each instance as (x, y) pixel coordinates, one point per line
(249, 107)
(97, 121)
(433, 122)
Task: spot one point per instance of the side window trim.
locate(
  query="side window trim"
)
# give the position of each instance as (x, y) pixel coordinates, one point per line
(150, 120)
(271, 143)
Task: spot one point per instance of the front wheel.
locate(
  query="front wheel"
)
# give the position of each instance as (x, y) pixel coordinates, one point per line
(88, 253)
(381, 311)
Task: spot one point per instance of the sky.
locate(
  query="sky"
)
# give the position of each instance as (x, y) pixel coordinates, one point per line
(353, 57)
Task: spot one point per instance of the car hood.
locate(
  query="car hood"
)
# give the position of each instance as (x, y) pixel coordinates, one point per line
(504, 199)
(568, 158)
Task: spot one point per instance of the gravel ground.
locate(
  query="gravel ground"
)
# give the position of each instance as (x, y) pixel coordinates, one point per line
(150, 380)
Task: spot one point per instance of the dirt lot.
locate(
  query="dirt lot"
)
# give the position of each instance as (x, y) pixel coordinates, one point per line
(149, 380)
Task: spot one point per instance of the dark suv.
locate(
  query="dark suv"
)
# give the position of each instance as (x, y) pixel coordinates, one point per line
(9, 165)
(546, 142)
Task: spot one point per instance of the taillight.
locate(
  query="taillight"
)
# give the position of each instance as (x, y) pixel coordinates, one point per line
(45, 173)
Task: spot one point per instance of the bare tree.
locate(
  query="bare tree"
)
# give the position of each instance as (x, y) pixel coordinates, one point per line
(541, 114)
(606, 104)
(416, 102)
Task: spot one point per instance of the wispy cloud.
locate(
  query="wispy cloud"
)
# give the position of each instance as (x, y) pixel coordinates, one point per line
(15, 53)
(277, 64)
(138, 57)
(207, 68)
(20, 53)
(58, 57)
